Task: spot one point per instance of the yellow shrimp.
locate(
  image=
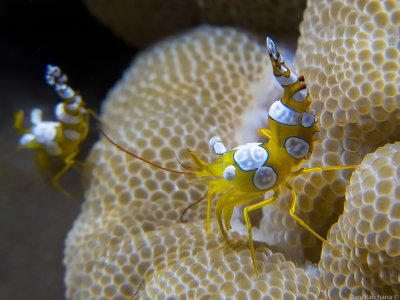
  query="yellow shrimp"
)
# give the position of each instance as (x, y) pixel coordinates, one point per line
(59, 138)
(249, 171)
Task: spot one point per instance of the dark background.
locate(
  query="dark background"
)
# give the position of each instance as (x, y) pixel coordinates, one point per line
(34, 217)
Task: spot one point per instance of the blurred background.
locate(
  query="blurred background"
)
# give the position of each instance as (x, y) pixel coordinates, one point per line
(34, 217)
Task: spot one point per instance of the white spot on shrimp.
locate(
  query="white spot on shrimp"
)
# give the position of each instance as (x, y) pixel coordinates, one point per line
(26, 139)
(271, 48)
(297, 147)
(301, 95)
(265, 178)
(52, 148)
(283, 114)
(73, 106)
(45, 132)
(71, 134)
(283, 80)
(63, 116)
(250, 156)
(217, 145)
(36, 116)
(229, 173)
(52, 74)
(64, 91)
(282, 68)
(307, 120)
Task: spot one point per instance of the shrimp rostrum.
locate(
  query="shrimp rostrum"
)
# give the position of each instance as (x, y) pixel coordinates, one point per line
(249, 171)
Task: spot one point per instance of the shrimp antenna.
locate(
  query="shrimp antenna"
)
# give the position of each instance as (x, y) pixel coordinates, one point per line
(138, 157)
(190, 206)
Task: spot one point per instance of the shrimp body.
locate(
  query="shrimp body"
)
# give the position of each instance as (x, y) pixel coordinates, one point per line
(251, 170)
(59, 138)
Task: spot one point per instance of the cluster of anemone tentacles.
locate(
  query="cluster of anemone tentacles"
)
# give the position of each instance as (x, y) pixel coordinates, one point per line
(128, 242)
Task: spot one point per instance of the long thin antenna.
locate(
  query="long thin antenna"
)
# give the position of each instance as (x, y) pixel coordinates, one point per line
(138, 157)
(190, 206)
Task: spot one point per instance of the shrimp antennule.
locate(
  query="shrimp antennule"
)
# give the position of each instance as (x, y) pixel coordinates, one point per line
(190, 206)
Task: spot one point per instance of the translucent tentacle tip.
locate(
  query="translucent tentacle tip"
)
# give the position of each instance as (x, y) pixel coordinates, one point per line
(271, 48)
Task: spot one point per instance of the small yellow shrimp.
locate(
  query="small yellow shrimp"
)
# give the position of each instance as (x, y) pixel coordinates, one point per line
(59, 138)
(249, 171)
